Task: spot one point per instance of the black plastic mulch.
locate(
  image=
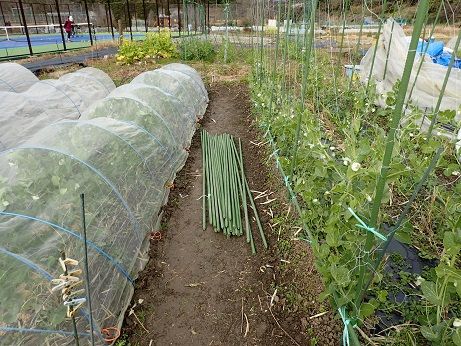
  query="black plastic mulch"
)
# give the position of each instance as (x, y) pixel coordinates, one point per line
(60, 60)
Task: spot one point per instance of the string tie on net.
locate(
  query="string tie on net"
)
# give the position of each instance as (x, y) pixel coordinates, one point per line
(346, 322)
(361, 224)
(286, 180)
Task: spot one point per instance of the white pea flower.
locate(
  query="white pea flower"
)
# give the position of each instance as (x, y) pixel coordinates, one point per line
(457, 323)
(311, 145)
(6, 203)
(326, 193)
(455, 173)
(35, 198)
(373, 110)
(419, 281)
(356, 166)
(332, 148)
(315, 200)
(369, 199)
(346, 161)
(411, 134)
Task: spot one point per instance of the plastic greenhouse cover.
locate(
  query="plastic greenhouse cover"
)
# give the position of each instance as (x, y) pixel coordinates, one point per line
(429, 82)
(47, 101)
(15, 77)
(121, 156)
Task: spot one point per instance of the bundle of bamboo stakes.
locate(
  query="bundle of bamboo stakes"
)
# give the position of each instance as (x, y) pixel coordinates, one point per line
(225, 188)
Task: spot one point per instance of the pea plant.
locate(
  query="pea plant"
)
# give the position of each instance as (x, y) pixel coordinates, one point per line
(339, 158)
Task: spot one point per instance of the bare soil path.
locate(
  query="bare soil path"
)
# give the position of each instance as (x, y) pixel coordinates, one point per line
(200, 288)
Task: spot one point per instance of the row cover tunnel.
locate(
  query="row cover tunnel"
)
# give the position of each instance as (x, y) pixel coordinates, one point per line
(122, 153)
(29, 104)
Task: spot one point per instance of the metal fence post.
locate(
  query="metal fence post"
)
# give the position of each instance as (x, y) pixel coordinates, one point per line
(88, 21)
(158, 18)
(129, 19)
(169, 14)
(145, 14)
(110, 19)
(33, 16)
(60, 25)
(135, 17)
(208, 14)
(25, 27)
(3, 15)
(46, 16)
(52, 17)
(179, 18)
(107, 18)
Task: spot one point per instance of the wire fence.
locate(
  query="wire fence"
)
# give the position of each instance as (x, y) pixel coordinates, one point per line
(28, 28)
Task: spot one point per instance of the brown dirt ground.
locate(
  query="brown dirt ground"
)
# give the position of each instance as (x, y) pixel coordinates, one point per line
(198, 284)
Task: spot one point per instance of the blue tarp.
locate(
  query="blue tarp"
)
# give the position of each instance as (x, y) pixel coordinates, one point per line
(437, 54)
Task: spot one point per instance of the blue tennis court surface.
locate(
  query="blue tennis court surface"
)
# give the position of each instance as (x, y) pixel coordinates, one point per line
(16, 41)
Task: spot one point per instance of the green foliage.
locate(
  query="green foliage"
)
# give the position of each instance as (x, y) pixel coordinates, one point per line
(343, 137)
(197, 49)
(156, 46)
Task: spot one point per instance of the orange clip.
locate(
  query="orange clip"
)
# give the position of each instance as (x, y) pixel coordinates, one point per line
(110, 334)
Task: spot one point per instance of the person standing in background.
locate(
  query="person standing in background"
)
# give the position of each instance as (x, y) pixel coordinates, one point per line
(68, 27)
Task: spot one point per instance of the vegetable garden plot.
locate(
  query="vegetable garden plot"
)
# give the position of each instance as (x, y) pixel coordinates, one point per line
(32, 104)
(123, 155)
(366, 176)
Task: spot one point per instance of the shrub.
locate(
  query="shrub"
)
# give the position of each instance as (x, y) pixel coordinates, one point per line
(197, 49)
(155, 46)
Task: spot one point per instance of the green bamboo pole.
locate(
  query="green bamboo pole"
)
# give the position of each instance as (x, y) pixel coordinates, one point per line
(425, 51)
(243, 193)
(388, 50)
(213, 183)
(401, 219)
(383, 11)
(286, 47)
(339, 61)
(275, 62)
(444, 86)
(306, 67)
(239, 155)
(252, 203)
(209, 184)
(223, 177)
(226, 43)
(357, 49)
(235, 187)
(423, 8)
(204, 177)
(232, 187)
(218, 186)
(261, 44)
